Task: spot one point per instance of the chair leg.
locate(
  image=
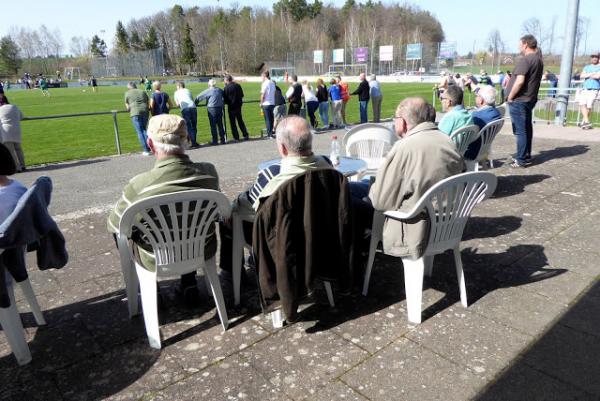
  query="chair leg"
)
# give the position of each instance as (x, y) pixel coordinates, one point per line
(33, 303)
(13, 330)
(413, 285)
(376, 234)
(129, 276)
(428, 260)
(329, 293)
(210, 270)
(277, 318)
(461, 276)
(147, 280)
(237, 254)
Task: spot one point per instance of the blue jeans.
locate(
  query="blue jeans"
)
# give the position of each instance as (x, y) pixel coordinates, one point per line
(363, 104)
(324, 113)
(269, 117)
(311, 107)
(140, 122)
(190, 115)
(522, 125)
(215, 119)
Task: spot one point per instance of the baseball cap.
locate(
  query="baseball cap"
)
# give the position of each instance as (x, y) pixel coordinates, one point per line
(7, 164)
(167, 128)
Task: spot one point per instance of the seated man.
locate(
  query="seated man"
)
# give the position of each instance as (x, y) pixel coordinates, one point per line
(173, 171)
(456, 115)
(422, 158)
(486, 112)
(294, 143)
(10, 190)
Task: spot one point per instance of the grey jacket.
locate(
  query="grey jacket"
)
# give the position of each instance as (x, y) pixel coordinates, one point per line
(213, 97)
(417, 162)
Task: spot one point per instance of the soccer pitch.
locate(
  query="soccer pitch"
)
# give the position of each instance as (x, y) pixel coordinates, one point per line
(54, 140)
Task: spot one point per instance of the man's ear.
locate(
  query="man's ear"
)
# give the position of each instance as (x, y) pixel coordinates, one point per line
(282, 149)
(150, 144)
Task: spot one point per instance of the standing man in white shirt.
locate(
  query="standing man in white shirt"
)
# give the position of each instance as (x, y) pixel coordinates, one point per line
(376, 97)
(267, 101)
(185, 101)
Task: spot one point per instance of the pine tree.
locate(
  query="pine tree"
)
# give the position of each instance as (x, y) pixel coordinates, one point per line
(151, 39)
(188, 55)
(98, 47)
(135, 41)
(122, 38)
(9, 56)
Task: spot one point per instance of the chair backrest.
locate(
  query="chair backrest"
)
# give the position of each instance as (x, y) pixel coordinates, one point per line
(488, 134)
(176, 225)
(463, 136)
(449, 204)
(370, 144)
(366, 127)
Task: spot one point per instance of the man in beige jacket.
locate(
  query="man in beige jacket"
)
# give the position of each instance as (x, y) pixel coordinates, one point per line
(422, 157)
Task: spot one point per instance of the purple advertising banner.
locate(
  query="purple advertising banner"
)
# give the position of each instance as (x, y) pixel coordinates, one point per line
(361, 54)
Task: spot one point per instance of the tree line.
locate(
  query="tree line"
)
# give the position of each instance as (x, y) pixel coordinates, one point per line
(236, 39)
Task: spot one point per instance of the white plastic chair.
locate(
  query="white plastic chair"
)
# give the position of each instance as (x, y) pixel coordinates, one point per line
(177, 226)
(463, 137)
(448, 204)
(487, 134)
(366, 127)
(371, 145)
(10, 320)
(502, 110)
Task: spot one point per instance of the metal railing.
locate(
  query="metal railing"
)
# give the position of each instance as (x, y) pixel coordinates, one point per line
(114, 118)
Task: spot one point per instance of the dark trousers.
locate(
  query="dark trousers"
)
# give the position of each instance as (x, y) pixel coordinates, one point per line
(215, 119)
(294, 108)
(311, 107)
(269, 118)
(190, 115)
(235, 114)
(226, 235)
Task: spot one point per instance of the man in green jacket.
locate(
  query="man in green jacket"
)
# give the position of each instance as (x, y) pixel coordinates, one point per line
(173, 171)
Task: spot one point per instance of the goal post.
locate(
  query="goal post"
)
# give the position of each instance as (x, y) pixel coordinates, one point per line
(347, 69)
(72, 73)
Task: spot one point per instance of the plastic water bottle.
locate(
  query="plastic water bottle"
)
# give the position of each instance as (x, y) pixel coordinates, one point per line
(334, 156)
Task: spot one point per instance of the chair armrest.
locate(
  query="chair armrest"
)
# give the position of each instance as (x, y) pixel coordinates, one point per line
(398, 215)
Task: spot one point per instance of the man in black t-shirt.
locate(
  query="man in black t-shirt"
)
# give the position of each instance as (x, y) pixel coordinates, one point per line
(294, 96)
(522, 96)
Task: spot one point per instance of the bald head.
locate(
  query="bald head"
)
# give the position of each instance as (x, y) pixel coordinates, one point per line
(294, 137)
(415, 110)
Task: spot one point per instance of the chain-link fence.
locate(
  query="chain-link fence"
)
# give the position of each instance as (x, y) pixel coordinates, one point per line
(133, 63)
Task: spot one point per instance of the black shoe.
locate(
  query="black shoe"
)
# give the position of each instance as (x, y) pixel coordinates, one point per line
(246, 137)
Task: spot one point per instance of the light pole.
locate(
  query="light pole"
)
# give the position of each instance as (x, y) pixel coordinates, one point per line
(566, 64)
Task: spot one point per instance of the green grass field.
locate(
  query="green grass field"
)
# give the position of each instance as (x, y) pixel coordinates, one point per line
(46, 141)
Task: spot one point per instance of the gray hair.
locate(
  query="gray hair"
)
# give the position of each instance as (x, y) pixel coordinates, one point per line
(212, 82)
(455, 94)
(488, 94)
(294, 132)
(156, 85)
(415, 110)
(131, 85)
(228, 78)
(372, 77)
(169, 148)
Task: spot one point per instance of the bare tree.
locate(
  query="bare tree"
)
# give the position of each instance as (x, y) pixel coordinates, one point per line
(496, 45)
(582, 27)
(533, 26)
(79, 46)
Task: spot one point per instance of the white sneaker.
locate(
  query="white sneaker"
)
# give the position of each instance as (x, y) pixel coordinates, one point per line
(146, 153)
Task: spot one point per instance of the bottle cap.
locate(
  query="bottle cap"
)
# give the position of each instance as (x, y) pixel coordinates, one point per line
(334, 137)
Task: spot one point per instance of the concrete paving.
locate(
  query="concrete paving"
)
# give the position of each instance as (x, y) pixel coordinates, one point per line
(531, 332)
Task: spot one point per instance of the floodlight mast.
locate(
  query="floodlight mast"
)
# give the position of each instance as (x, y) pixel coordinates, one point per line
(566, 63)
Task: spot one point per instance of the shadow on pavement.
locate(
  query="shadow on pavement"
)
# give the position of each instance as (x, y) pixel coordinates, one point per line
(61, 165)
(509, 185)
(560, 153)
(563, 364)
(490, 227)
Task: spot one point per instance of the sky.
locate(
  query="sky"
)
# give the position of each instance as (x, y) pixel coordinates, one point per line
(466, 22)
